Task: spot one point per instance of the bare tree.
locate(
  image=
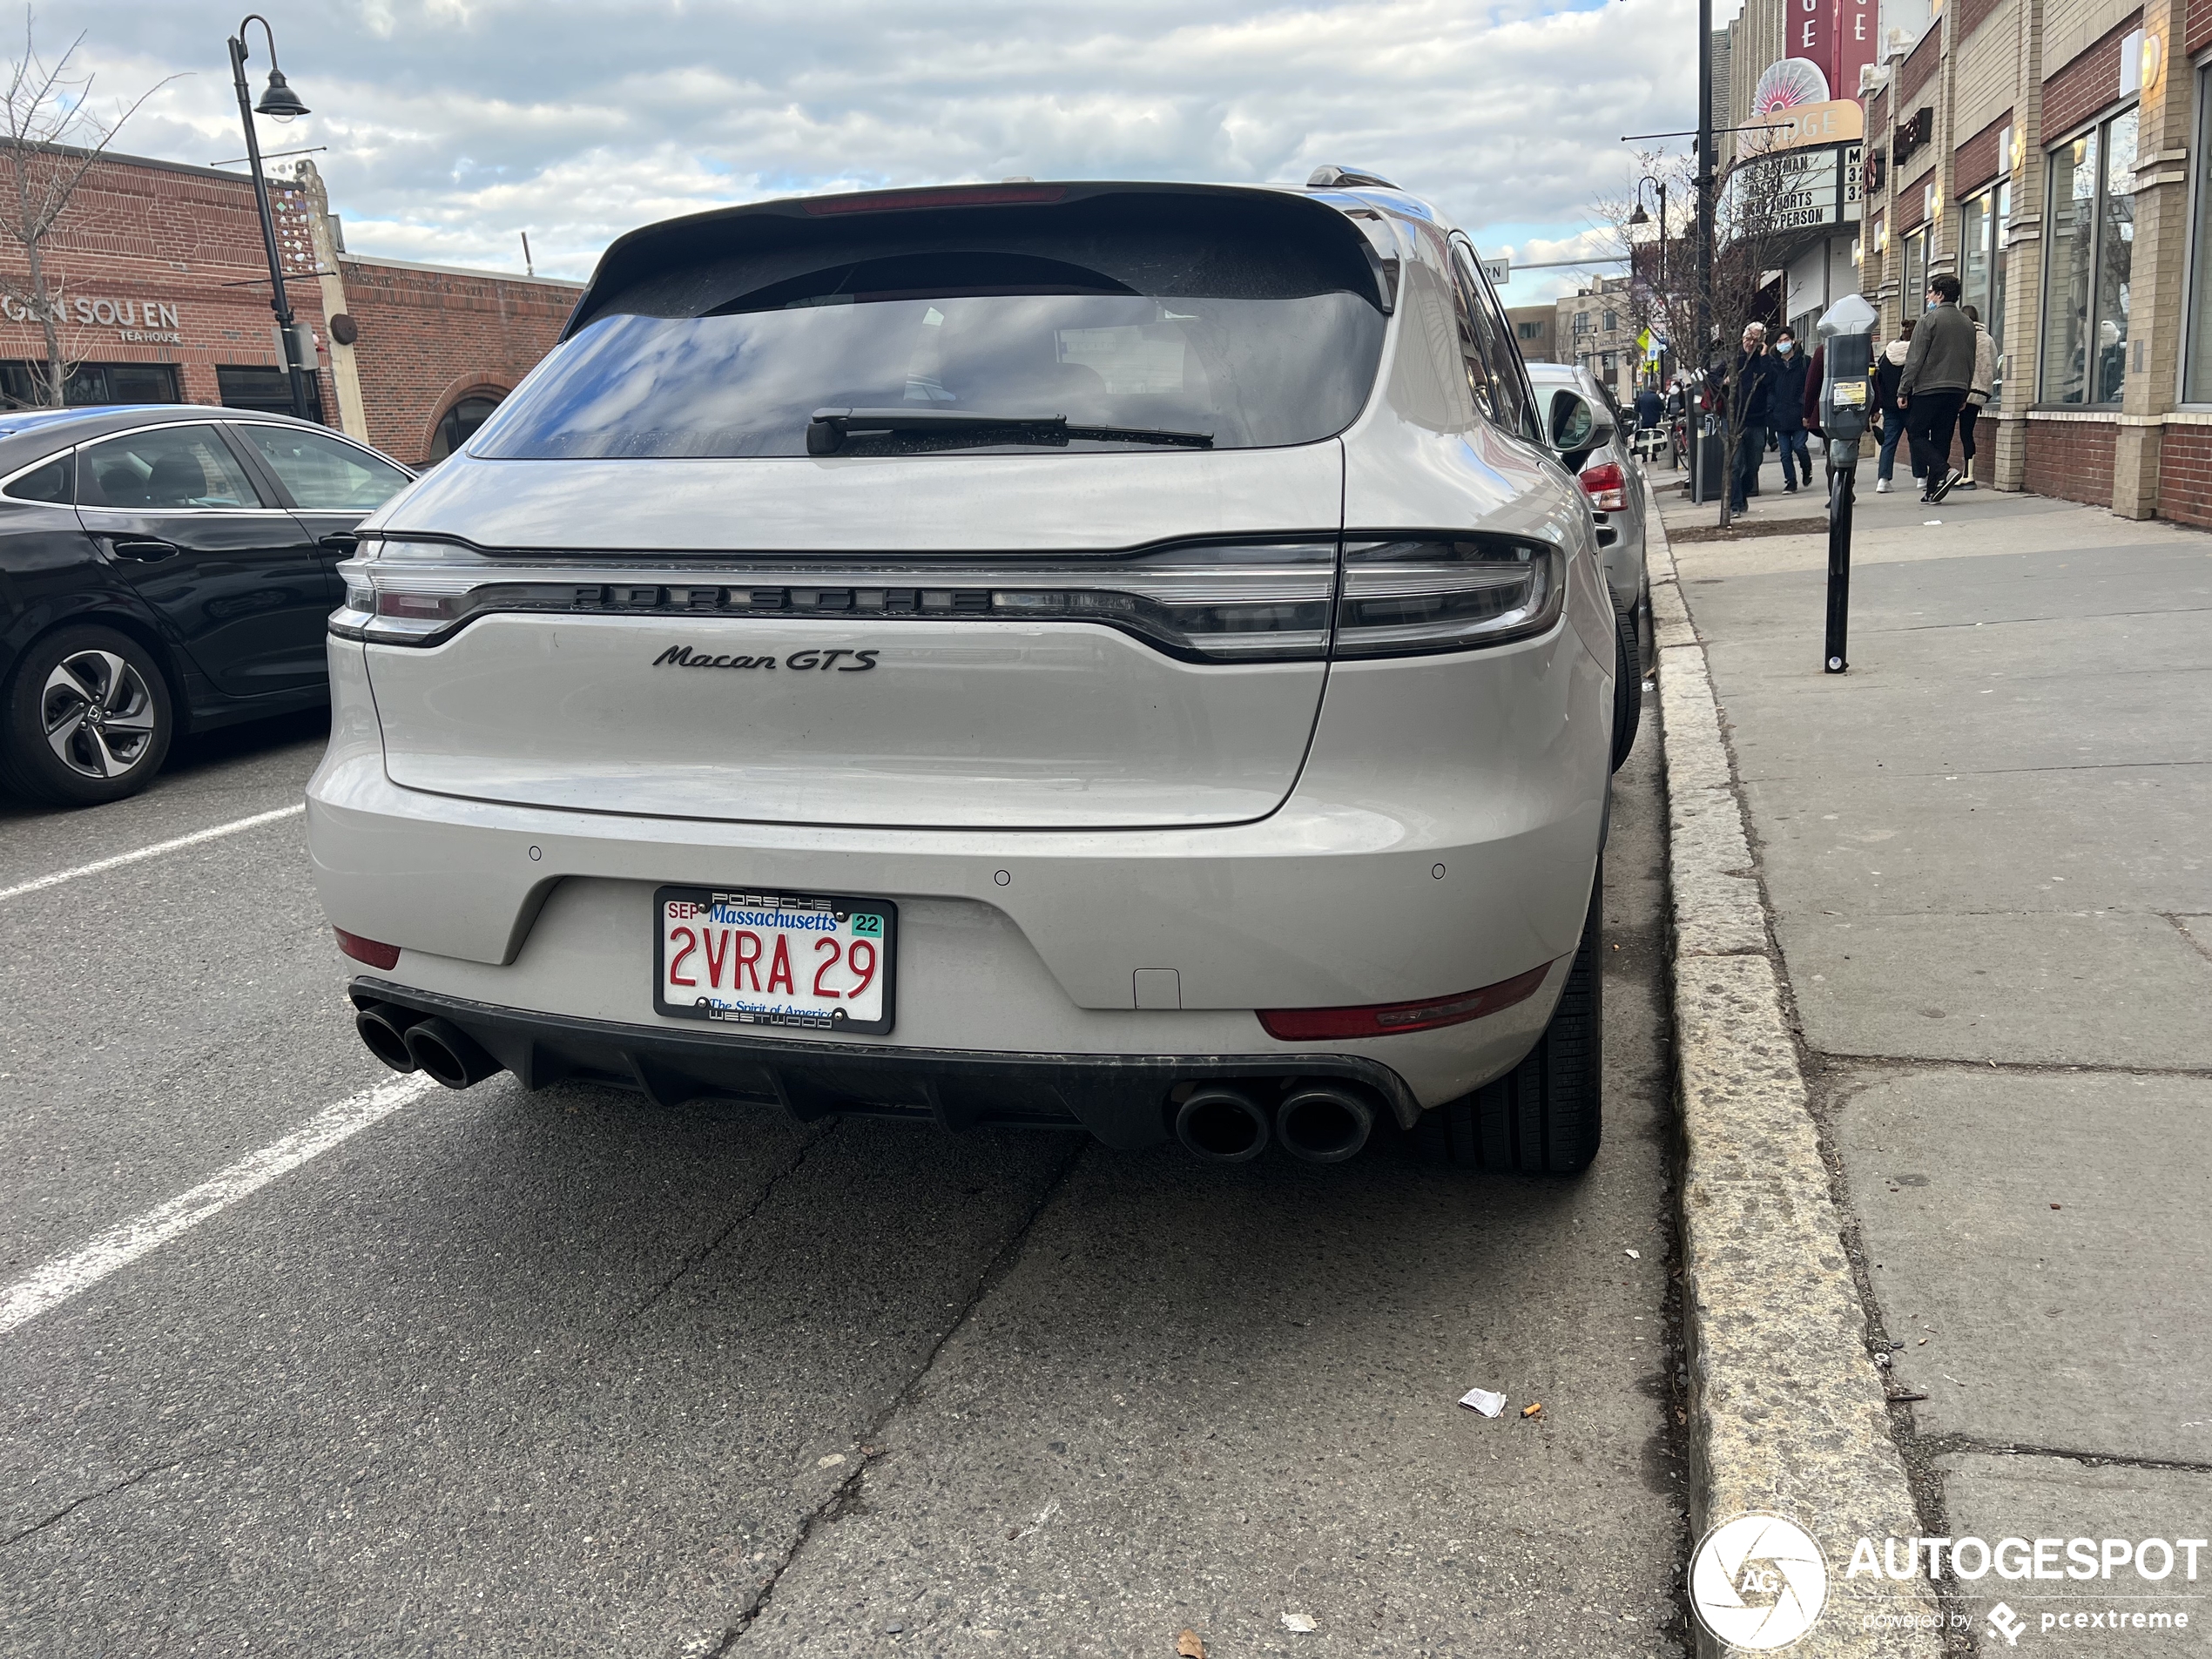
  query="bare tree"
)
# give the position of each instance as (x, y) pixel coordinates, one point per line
(1758, 208)
(49, 139)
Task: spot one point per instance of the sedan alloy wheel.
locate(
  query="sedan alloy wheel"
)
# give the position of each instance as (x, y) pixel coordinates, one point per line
(98, 715)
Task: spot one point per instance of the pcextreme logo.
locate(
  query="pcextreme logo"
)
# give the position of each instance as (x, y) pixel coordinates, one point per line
(1758, 1582)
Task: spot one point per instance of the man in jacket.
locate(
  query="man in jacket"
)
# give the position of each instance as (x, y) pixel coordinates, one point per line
(1939, 373)
(1787, 400)
(1749, 393)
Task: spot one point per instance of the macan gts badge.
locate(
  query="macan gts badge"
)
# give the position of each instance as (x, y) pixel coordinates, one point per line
(685, 656)
(1244, 773)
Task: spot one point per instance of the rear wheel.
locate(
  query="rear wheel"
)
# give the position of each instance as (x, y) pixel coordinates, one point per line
(1544, 1116)
(1627, 685)
(87, 718)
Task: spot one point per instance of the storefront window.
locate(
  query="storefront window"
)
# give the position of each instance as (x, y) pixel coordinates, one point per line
(2115, 257)
(1916, 272)
(2197, 380)
(22, 385)
(1983, 221)
(2087, 277)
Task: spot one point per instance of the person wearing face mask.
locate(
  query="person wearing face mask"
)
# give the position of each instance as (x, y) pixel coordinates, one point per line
(1786, 410)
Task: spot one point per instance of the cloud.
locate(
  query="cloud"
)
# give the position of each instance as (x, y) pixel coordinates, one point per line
(453, 126)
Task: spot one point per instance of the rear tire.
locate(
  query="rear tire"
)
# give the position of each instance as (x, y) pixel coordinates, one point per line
(1628, 686)
(86, 718)
(1546, 1116)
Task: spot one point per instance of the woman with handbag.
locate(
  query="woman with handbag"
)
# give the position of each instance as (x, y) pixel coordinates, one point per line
(1977, 395)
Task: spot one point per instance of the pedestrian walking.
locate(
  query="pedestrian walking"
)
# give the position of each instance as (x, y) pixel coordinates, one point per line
(1977, 395)
(1650, 407)
(1939, 373)
(1889, 370)
(1750, 384)
(1786, 415)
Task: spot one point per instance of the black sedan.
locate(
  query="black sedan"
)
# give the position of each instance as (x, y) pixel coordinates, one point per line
(163, 568)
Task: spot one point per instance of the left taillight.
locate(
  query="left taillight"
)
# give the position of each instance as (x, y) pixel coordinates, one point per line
(1606, 486)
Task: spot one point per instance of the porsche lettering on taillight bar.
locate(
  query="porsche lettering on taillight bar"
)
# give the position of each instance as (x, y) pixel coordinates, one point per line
(1211, 602)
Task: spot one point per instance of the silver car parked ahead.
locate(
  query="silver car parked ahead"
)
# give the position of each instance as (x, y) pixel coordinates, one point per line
(1126, 656)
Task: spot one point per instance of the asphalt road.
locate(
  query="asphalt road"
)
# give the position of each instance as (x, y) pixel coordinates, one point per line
(564, 1374)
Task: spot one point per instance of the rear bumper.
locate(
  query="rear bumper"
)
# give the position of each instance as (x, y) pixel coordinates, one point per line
(1121, 1099)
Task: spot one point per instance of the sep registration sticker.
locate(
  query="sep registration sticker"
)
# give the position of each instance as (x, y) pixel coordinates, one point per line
(815, 960)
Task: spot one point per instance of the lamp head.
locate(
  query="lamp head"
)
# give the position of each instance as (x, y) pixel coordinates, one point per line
(279, 102)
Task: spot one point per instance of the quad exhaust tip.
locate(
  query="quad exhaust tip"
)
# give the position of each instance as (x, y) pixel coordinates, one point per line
(1221, 1124)
(448, 1054)
(383, 1028)
(1323, 1123)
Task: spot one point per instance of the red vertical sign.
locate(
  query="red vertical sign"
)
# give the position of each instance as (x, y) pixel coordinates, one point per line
(1856, 22)
(1836, 35)
(1811, 33)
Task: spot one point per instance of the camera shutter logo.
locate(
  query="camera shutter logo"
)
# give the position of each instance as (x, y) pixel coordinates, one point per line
(1758, 1582)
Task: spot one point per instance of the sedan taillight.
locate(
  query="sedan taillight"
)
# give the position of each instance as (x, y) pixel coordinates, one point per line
(1607, 486)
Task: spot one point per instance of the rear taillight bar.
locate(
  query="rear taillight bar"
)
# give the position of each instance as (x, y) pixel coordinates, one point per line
(1214, 601)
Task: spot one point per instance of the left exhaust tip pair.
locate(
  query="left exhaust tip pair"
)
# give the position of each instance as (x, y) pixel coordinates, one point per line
(407, 1041)
(1321, 1122)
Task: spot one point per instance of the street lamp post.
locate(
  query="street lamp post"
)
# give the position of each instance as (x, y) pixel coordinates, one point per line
(280, 103)
(1639, 217)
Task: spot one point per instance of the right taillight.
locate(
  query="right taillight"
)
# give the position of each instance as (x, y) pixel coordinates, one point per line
(1606, 486)
(1418, 595)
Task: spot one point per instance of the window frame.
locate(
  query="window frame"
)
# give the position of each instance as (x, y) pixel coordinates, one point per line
(2197, 270)
(2097, 125)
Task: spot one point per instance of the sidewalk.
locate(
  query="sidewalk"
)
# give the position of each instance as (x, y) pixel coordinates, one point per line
(1987, 858)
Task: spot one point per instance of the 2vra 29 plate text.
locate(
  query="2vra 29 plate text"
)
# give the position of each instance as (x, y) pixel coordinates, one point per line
(819, 961)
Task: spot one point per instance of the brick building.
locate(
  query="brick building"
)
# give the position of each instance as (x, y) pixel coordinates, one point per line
(1592, 326)
(1536, 330)
(163, 292)
(2052, 155)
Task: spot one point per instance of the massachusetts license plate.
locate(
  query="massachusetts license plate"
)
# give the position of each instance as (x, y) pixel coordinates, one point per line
(812, 960)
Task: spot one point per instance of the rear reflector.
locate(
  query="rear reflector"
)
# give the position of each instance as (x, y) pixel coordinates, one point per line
(891, 201)
(1387, 1019)
(368, 950)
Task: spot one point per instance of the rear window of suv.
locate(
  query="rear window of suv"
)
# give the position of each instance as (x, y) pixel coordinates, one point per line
(1243, 322)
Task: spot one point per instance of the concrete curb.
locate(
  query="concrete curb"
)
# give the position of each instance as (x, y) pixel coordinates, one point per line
(1788, 1413)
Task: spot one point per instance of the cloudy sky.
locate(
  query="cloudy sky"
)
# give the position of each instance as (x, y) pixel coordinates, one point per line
(454, 125)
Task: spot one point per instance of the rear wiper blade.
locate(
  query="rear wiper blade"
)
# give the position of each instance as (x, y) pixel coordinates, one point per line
(828, 428)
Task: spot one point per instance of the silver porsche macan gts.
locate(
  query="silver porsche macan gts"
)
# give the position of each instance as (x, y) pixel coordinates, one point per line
(1127, 655)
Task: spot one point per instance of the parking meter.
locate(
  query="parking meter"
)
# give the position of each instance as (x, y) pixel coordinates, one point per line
(1846, 332)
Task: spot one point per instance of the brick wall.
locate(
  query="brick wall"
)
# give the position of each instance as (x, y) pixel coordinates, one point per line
(187, 237)
(1916, 70)
(190, 238)
(2071, 459)
(1977, 161)
(2185, 474)
(1986, 68)
(1971, 16)
(2088, 83)
(2199, 26)
(429, 338)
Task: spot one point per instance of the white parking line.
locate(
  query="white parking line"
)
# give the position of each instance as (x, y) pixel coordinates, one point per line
(153, 852)
(56, 1281)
